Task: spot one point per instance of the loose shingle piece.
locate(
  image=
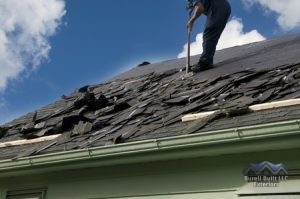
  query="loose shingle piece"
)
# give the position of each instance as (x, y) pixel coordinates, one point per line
(148, 107)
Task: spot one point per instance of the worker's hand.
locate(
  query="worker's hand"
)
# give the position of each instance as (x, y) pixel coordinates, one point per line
(199, 9)
(190, 25)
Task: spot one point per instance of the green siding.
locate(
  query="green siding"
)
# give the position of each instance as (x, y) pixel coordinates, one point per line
(210, 177)
(216, 195)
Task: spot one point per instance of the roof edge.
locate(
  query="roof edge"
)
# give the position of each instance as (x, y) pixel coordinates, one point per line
(280, 135)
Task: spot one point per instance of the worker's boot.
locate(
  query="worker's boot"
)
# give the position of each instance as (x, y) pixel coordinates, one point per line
(201, 66)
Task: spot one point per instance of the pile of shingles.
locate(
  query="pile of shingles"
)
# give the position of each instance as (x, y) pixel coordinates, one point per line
(123, 110)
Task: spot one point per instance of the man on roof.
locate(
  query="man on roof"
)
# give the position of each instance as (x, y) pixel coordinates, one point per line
(217, 13)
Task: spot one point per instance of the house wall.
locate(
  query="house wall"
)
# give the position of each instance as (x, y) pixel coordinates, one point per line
(205, 177)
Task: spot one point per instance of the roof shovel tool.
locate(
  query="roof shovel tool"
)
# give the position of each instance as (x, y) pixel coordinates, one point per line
(190, 9)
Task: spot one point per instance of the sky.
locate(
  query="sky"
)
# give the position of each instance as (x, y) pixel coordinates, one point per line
(48, 48)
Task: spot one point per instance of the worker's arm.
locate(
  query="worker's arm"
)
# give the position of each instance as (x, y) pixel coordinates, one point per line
(199, 9)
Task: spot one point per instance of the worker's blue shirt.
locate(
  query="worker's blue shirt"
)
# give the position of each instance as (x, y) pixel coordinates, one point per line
(213, 5)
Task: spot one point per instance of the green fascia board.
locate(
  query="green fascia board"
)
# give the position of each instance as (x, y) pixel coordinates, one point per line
(266, 137)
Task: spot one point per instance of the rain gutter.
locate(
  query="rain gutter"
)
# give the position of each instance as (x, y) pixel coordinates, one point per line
(266, 137)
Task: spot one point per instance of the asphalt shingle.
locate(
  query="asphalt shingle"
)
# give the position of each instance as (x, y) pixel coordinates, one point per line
(148, 102)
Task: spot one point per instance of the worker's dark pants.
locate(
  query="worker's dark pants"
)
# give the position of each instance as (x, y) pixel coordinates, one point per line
(217, 18)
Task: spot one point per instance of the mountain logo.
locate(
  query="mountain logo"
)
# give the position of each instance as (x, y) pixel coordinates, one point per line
(266, 169)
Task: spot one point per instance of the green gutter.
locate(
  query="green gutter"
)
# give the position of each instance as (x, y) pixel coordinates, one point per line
(275, 136)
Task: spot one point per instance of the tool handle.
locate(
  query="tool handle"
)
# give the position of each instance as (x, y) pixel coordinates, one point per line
(190, 9)
(188, 61)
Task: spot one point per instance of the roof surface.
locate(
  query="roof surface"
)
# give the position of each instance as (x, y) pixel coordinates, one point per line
(148, 101)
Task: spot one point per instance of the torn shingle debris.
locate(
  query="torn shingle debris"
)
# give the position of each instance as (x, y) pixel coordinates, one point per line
(150, 106)
(145, 63)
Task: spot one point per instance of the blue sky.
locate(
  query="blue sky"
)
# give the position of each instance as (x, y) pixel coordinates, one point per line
(49, 48)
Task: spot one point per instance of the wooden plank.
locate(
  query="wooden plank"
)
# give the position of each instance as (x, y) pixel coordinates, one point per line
(257, 107)
(32, 141)
(277, 104)
(197, 116)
